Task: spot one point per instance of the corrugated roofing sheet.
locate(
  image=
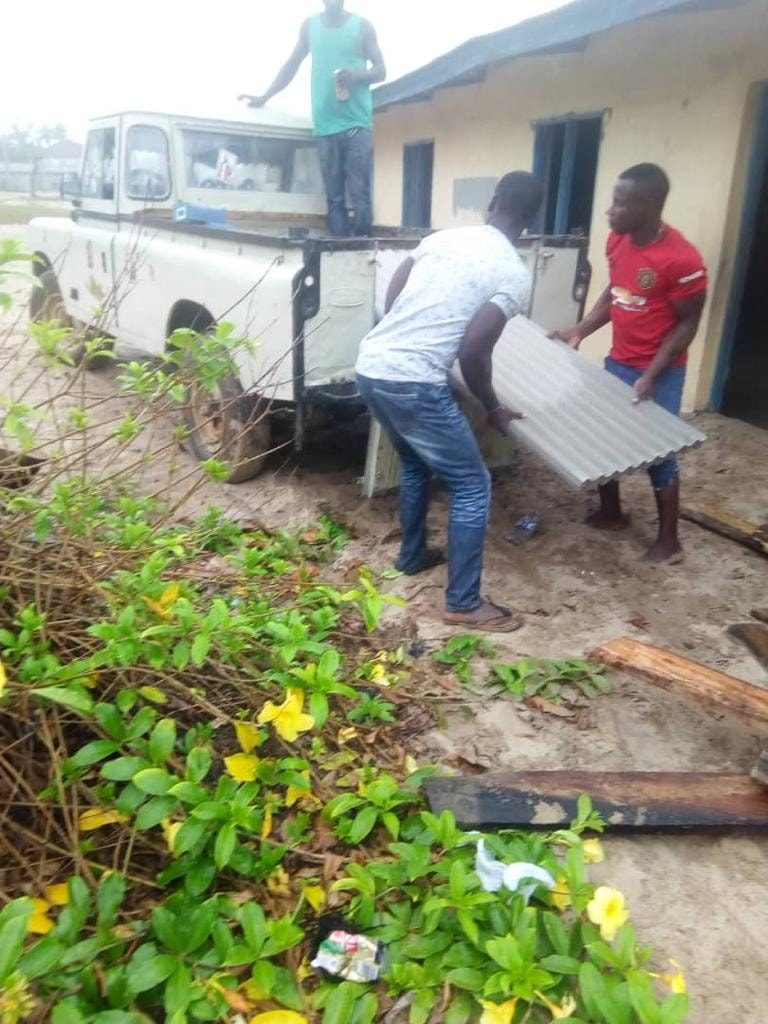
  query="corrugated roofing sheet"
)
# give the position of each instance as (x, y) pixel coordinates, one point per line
(557, 31)
(579, 419)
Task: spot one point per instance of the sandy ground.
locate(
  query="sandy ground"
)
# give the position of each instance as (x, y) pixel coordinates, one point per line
(700, 900)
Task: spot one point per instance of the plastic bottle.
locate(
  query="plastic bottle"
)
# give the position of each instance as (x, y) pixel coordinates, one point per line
(525, 528)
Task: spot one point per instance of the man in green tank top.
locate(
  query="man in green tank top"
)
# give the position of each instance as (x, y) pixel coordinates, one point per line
(346, 61)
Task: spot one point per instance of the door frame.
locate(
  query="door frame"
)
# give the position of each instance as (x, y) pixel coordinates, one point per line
(757, 176)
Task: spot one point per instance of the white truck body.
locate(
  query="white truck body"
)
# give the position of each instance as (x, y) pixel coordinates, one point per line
(124, 263)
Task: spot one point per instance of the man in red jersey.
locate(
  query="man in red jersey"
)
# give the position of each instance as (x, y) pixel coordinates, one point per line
(654, 301)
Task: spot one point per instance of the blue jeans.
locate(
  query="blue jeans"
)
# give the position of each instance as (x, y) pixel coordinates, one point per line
(668, 393)
(432, 436)
(345, 160)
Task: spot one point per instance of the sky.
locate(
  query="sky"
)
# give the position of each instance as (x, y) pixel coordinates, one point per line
(85, 58)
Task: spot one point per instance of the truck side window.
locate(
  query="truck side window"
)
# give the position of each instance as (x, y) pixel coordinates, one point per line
(147, 164)
(247, 163)
(99, 165)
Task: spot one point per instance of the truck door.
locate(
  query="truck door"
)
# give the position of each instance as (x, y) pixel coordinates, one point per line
(86, 276)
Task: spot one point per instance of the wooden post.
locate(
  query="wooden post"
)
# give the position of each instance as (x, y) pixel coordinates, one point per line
(714, 690)
(720, 521)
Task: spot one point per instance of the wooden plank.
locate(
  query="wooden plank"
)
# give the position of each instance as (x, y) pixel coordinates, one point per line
(714, 690)
(754, 636)
(761, 614)
(629, 801)
(721, 521)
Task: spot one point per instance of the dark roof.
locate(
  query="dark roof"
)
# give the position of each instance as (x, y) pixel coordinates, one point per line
(562, 30)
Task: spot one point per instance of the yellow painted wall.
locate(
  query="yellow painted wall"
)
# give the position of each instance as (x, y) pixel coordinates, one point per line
(677, 90)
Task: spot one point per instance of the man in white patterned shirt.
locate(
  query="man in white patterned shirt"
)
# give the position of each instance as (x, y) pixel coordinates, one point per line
(450, 300)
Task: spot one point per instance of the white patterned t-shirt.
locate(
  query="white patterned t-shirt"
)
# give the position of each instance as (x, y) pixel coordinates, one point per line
(455, 272)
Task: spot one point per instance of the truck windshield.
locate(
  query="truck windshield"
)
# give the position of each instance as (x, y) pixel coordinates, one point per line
(224, 160)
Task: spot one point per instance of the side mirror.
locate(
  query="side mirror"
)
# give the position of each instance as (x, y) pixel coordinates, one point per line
(70, 185)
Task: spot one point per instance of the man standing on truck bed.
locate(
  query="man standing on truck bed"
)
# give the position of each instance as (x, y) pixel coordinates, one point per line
(342, 46)
(451, 298)
(654, 300)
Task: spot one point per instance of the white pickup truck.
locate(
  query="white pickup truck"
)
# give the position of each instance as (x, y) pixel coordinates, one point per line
(184, 222)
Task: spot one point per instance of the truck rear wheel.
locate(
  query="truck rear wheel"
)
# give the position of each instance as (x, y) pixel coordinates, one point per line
(226, 425)
(46, 305)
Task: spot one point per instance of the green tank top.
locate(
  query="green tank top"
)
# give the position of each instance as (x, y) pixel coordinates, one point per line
(332, 49)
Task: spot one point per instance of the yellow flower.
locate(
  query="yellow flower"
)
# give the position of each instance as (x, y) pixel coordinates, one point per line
(293, 794)
(593, 851)
(57, 895)
(675, 981)
(170, 831)
(248, 736)
(39, 923)
(278, 883)
(242, 767)
(266, 827)
(95, 818)
(315, 897)
(608, 910)
(3, 678)
(497, 1013)
(561, 894)
(562, 1011)
(167, 598)
(378, 673)
(288, 718)
(278, 1017)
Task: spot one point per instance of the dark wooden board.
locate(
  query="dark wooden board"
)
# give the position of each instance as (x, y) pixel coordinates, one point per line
(719, 520)
(754, 636)
(760, 613)
(714, 690)
(629, 801)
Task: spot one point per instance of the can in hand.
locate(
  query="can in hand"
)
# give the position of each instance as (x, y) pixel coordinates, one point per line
(342, 89)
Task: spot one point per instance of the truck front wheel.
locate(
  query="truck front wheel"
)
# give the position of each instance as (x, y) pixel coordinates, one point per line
(46, 305)
(229, 426)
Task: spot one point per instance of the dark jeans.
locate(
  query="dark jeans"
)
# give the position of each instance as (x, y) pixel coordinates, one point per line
(346, 160)
(668, 393)
(432, 435)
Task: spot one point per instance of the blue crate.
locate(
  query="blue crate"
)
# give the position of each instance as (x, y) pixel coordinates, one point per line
(200, 213)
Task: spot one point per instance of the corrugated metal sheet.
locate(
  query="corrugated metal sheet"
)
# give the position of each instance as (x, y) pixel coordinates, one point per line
(579, 419)
(560, 30)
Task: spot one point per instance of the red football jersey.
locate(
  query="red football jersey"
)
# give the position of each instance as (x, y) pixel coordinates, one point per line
(645, 281)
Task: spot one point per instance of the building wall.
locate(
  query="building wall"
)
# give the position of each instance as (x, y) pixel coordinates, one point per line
(676, 89)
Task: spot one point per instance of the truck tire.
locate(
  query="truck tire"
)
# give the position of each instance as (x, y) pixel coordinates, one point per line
(228, 426)
(46, 304)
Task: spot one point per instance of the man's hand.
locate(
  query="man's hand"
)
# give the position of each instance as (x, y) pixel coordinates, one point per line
(572, 337)
(501, 417)
(643, 389)
(252, 101)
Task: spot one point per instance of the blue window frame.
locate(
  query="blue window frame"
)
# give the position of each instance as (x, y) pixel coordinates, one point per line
(418, 166)
(565, 158)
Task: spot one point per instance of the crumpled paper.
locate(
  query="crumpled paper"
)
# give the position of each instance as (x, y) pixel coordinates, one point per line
(519, 877)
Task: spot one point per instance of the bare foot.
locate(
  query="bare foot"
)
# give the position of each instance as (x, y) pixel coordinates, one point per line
(604, 521)
(488, 617)
(663, 550)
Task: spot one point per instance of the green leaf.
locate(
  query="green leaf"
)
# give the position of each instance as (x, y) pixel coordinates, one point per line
(391, 823)
(123, 768)
(556, 933)
(189, 835)
(211, 810)
(147, 973)
(560, 964)
(178, 990)
(592, 988)
(363, 825)
(366, 1009)
(110, 720)
(76, 697)
(461, 1009)
(200, 647)
(92, 753)
(109, 898)
(42, 958)
(422, 1006)
(340, 1006)
(468, 978)
(199, 877)
(264, 973)
(154, 781)
(675, 1008)
(12, 938)
(286, 991)
(197, 928)
(154, 811)
(643, 1000)
(427, 945)
(162, 741)
(199, 761)
(469, 926)
(225, 844)
(254, 925)
(66, 1012)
